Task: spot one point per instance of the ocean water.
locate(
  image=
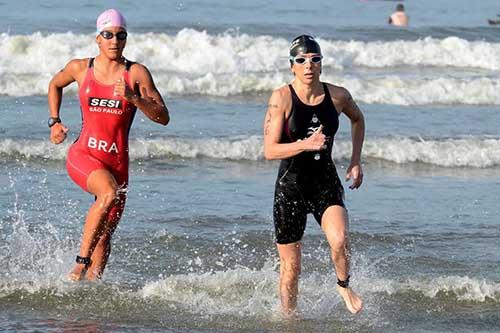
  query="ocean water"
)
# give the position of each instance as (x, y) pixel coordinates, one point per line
(194, 251)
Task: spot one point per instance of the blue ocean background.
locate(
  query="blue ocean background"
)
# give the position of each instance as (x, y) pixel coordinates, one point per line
(195, 248)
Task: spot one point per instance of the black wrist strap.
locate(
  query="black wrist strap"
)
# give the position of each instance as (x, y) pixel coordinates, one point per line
(83, 260)
(53, 120)
(345, 283)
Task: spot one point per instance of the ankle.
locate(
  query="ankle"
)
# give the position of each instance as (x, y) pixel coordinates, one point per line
(83, 260)
(345, 283)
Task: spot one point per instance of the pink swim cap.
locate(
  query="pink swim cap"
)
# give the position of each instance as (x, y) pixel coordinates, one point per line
(110, 18)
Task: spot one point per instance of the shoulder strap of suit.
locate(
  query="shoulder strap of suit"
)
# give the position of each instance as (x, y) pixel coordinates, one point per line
(128, 64)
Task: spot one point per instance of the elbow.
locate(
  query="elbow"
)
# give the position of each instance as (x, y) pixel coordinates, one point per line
(359, 121)
(268, 155)
(164, 119)
(52, 86)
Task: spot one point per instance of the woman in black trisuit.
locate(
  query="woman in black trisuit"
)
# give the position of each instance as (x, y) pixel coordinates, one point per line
(299, 130)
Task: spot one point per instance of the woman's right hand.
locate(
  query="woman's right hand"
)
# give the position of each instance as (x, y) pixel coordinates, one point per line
(58, 133)
(317, 140)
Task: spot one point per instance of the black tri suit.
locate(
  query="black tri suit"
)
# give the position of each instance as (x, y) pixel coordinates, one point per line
(307, 182)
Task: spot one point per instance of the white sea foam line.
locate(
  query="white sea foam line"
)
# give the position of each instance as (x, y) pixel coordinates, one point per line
(193, 51)
(386, 90)
(463, 287)
(471, 151)
(242, 290)
(450, 51)
(225, 64)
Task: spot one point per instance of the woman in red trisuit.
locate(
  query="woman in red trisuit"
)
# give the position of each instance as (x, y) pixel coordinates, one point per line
(111, 88)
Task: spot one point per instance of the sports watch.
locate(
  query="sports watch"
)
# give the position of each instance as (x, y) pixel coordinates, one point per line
(53, 120)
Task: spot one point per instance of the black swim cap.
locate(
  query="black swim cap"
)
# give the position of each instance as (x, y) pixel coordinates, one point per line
(304, 44)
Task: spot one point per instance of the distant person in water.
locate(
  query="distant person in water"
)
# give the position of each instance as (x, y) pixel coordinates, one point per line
(494, 21)
(399, 17)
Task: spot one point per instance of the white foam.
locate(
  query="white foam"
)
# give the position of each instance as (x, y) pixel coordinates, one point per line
(33, 149)
(465, 152)
(392, 89)
(478, 152)
(34, 259)
(195, 62)
(463, 288)
(243, 292)
(447, 52)
(37, 259)
(233, 149)
(240, 291)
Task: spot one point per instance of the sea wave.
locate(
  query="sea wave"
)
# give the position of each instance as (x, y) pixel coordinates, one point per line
(248, 292)
(462, 288)
(242, 290)
(477, 152)
(390, 89)
(195, 62)
(447, 52)
(37, 258)
(198, 52)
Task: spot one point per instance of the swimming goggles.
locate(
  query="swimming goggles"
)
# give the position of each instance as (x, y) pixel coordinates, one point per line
(122, 35)
(302, 60)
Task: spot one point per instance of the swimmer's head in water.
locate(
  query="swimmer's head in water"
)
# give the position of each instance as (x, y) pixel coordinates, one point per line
(110, 18)
(400, 7)
(304, 44)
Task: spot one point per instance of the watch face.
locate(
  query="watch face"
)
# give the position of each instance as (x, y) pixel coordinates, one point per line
(53, 121)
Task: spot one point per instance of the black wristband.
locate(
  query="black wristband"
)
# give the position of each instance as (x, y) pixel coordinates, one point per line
(53, 120)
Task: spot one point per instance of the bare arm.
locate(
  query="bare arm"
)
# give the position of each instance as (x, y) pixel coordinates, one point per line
(352, 111)
(357, 129)
(62, 79)
(146, 97)
(273, 129)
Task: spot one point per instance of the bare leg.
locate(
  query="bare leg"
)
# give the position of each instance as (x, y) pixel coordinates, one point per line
(334, 224)
(103, 185)
(290, 261)
(99, 258)
(102, 250)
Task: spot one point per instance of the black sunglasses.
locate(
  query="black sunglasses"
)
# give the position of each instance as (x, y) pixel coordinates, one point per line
(122, 35)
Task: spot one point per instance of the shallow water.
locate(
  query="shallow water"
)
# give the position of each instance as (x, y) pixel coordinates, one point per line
(195, 251)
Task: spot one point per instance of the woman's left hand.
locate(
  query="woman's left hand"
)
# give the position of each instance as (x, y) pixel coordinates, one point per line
(356, 173)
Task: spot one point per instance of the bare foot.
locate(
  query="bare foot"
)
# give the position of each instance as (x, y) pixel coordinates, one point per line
(93, 274)
(352, 301)
(77, 273)
(291, 314)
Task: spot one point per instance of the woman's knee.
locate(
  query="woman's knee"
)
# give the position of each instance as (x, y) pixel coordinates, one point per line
(338, 242)
(107, 199)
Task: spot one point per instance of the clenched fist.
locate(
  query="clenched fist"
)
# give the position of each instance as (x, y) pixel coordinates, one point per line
(58, 133)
